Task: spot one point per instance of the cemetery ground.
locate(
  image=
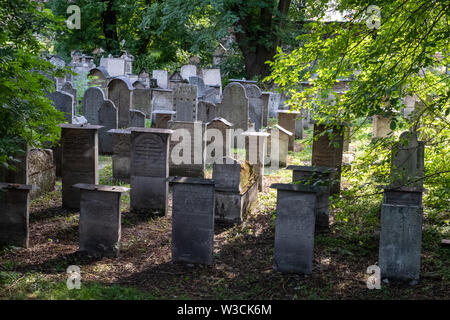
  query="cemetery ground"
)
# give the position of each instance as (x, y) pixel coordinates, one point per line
(243, 254)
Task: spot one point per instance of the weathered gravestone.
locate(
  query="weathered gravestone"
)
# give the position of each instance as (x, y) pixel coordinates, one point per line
(137, 119)
(274, 103)
(400, 242)
(161, 118)
(79, 160)
(317, 176)
(107, 118)
(142, 100)
(68, 87)
(188, 156)
(150, 170)
(255, 104)
(327, 151)
(201, 87)
(162, 78)
(100, 225)
(14, 214)
(218, 141)
(212, 78)
(192, 220)
(286, 119)
(234, 106)
(277, 146)
(162, 99)
(294, 227)
(121, 158)
(176, 80)
(236, 189)
(188, 71)
(41, 172)
(63, 102)
(100, 78)
(266, 98)
(185, 103)
(92, 101)
(207, 111)
(381, 126)
(120, 91)
(255, 153)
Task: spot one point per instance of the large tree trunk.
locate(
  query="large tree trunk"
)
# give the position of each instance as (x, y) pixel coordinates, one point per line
(110, 28)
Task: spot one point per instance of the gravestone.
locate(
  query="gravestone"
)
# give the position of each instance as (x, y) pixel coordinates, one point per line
(255, 153)
(400, 242)
(92, 101)
(100, 78)
(121, 158)
(137, 119)
(236, 189)
(318, 176)
(266, 98)
(274, 103)
(217, 139)
(41, 172)
(150, 170)
(162, 99)
(68, 87)
(235, 106)
(188, 71)
(294, 227)
(161, 118)
(192, 220)
(286, 119)
(327, 152)
(255, 103)
(212, 78)
(63, 102)
(100, 225)
(207, 111)
(381, 126)
(120, 91)
(142, 100)
(79, 160)
(14, 214)
(187, 149)
(107, 118)
(176, 80)
(185, 103)
(277, 146)
(162, 78)
(201, 88)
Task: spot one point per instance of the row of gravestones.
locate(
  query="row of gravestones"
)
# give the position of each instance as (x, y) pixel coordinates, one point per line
(197, 201)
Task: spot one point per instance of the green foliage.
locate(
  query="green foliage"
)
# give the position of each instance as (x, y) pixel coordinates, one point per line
(25, 112)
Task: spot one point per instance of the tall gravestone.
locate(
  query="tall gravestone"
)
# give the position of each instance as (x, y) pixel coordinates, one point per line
(266, 98)
(107, 118)
(286, 119)
(137, 119)
(120, 91)
(142, 100)
(162, 99)
(187, 149)
(162, 78)
(201, 88)
(150, 169)
(255, 103)
(185, 103)
(218, 144)
(192, 220)
(213, 78)
(235, 106)
(188, 71)
(14, 214)
(294, 227)
(92, 101)
(41, 172)
(121, 158)
(100, 225)
(63, 102)
(327, 150)
(279, 140)
(68, 87)
(255, 153)
(79, 160)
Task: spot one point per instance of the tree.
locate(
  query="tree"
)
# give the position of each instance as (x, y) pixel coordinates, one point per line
(25, 112)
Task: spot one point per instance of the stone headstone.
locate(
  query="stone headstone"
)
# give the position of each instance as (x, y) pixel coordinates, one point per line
(400, 242)
(279, 140)
(192, 220)
(235, 106)
(79, 160)
(142, 100)
(381, 126)
(137, 119)
(255, 153)
(294, 228)
(41, 172)
(266, 98)
(63, 102)
(150, 170)
(255, 103)
(212, 78)
(121, 158)
(100, 225)
(161, 118)
(68, 87)
(92, 101)
(286, 119)
(100, 78)
(207, 111)
(162, 99)
(120, 91)
(201, 88)
(188, 71)
(14, 214)
(185, 103)
(187, 149)
(274, 102)
(162, 78)
(176, 80)
(107, 118)
(218, 144)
